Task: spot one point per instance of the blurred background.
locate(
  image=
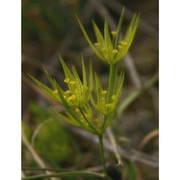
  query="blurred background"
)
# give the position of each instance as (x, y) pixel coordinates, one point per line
(49, 27)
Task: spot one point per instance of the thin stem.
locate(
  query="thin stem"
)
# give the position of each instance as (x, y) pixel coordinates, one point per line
(101, 151)
(112, 79)
(41, 169)
(67, 174)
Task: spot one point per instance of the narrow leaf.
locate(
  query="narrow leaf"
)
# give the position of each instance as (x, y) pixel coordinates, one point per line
(98, 34)
(91, 78)
(119, 29)
(84, 72)
(65, 118)
(50, 79)
(45, 88)
(129, 36)
(88, 40)
(108, 42)
(67, 72)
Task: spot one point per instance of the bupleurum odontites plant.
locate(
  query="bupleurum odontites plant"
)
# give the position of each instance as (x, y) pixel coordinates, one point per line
(87, 104)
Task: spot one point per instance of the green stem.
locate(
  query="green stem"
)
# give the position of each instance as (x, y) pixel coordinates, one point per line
(112, 79)
(67, 174)
(101, 150)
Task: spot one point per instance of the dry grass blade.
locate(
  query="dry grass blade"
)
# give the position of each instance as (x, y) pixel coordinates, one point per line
(114, 144)
(148, 137)
(34, 154)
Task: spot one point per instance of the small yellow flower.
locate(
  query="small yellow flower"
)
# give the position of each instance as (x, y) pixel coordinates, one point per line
(123, 43)
(55, 92)
(66, 80)
(67, 92)
(73, 97)
(114, 51)
(113, 97)
(77, 110)
(97, 44)
(104, 92)
(113, 33)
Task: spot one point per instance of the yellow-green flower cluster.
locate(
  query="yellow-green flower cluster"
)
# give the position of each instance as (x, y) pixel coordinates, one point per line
(82, 108)
(78, 92)
(110, 47)
(106, 102)
(102, 104)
